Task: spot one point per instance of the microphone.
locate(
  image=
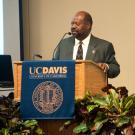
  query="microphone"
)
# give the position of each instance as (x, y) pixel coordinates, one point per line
(37, 55)
(67, 33)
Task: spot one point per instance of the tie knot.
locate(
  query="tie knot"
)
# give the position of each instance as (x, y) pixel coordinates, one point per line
(80, 42)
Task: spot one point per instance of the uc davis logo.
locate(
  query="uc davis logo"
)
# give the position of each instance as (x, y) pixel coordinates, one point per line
(47, 97)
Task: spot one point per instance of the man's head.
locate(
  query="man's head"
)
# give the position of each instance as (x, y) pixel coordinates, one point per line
(81, 25)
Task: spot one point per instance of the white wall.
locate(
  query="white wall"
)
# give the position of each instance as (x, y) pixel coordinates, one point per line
(1, 27)
(11, 28)
(113, 20)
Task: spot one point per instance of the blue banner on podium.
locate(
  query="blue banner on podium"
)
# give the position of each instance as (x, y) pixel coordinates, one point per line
(48, 90)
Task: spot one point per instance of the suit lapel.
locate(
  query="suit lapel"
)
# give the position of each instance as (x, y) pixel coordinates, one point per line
(91, 49)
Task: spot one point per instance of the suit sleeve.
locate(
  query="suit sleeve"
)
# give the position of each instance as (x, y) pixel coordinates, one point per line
(114, 68)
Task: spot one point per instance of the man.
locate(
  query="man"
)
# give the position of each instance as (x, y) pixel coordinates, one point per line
(83, 45)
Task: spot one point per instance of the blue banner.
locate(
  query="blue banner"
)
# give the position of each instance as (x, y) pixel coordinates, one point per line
(48, 90)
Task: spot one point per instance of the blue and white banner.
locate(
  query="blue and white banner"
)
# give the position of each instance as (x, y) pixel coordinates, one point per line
(48, 90)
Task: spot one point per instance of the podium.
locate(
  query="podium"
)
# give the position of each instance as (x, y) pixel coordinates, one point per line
(88, 77)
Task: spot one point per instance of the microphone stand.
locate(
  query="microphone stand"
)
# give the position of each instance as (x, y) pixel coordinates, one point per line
(69, 33)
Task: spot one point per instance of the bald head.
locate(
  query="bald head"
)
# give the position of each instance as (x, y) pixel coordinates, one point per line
(81, 25)
(87, 16)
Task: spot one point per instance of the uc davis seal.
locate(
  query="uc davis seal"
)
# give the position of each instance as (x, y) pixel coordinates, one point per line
(47, 97)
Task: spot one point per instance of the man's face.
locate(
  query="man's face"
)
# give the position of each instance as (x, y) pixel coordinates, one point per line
(79, 28)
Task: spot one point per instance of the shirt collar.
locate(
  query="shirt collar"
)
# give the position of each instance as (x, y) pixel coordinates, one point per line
(85, 41)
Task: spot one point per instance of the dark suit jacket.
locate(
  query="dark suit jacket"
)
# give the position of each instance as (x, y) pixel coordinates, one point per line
(99, 51)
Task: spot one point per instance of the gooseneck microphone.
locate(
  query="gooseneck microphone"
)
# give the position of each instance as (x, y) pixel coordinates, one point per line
(67, 33)
(37, 55)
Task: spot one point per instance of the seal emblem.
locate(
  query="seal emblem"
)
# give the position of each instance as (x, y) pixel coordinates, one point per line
(47, 97)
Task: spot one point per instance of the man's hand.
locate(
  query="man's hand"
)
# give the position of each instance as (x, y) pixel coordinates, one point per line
(103, 66)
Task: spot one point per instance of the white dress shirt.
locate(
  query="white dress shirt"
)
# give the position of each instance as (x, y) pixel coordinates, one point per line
(85, 44)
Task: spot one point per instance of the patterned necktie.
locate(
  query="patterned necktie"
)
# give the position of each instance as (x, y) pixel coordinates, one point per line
(79, 55)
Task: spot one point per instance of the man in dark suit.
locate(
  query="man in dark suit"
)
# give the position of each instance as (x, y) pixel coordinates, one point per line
(83, 45)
